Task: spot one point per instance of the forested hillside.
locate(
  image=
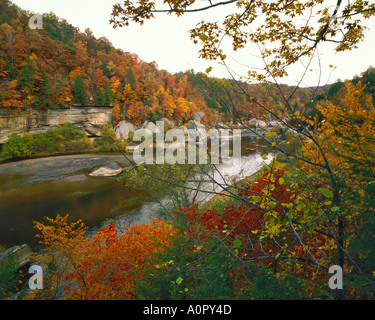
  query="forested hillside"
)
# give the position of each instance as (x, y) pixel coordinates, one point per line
(291, 218)
(60, 65)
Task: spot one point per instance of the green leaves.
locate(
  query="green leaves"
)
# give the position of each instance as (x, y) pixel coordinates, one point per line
(237, 243)
(326, 192)
(256, 199)
(203, 37)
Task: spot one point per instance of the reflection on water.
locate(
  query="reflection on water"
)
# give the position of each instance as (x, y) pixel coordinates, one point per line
(82, 197)
(92, 201)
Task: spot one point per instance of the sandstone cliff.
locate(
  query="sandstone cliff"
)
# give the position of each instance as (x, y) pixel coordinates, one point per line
(90, 119)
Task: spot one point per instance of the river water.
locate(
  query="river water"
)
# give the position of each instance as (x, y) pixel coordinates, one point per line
(33, 189)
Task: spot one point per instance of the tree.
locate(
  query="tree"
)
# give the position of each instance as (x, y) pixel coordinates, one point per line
(108, 140)
(10, 97)
(286, 32)
(5, 19)
(79, 90)
(45, 90)
(108, 95)
(347, 138)
(3, 72)
(277, 26)
(116, 114)
(104, 267)
(27, 76)
(15, 148)
(100, 98)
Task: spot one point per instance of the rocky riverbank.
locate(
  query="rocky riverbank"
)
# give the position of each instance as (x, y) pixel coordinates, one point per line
(62, 168)
(90, 119)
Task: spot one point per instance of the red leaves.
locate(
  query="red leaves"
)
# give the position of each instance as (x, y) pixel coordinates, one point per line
(236, 221)
(109, 234)
(272, 177)
(240, 224)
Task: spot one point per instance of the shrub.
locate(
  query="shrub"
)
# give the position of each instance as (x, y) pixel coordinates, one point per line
(108, 140)
(8, 277)
(15, 148)
(70, 131)
(63, 139)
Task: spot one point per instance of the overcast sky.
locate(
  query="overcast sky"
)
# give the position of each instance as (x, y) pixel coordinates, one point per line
(167, 42)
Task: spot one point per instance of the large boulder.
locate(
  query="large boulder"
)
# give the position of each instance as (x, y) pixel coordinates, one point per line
(20, 255)
(252, 123)
(168, 122)
(273, 124)
(184, 130)
(261, 124)
(198, 116)
(93, 130)
(110, 170)
(152, 127)
(123, 129)
(195, 125)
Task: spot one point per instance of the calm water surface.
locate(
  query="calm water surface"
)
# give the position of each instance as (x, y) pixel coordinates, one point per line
(33, 189)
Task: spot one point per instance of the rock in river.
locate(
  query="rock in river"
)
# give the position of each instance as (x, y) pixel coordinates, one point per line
(110, 170)
(20, 254)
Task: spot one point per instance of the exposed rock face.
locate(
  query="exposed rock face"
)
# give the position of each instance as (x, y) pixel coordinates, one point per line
(110, 170)
(91, 120)
(20, 254)
(152, 127)
(123, 129)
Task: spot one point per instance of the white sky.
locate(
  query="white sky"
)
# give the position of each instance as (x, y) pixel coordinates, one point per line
(167, 42)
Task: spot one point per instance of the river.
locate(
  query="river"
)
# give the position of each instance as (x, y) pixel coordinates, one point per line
(33, 189)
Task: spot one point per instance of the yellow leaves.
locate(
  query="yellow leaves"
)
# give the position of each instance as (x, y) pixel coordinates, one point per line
(352, 116)
(98, 267)
(270, 134)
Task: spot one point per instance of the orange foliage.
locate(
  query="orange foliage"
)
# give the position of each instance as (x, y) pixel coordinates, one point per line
(10, 97)
(104, 267)
(116, 114)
